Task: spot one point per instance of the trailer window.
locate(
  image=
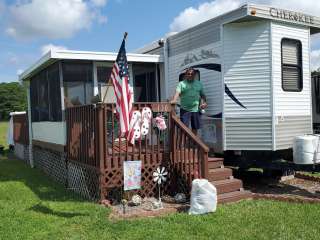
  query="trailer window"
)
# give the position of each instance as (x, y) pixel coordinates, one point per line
(291, 54)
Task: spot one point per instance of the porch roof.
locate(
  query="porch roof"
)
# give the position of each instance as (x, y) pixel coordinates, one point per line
(55, 55)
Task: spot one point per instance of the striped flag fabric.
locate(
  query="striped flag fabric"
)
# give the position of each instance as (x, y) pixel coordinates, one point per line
(123, 92)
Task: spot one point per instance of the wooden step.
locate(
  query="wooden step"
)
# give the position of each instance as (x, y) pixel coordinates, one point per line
(234, 196)
(212, 163)
(228, 185)
(215, 162)
(219, 174)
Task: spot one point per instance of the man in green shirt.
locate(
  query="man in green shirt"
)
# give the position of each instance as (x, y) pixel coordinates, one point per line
(192, 99)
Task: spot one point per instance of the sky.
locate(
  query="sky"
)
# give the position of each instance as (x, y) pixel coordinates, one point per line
(30, 28)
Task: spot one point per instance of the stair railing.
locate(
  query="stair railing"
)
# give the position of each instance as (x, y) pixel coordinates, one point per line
(189, 153)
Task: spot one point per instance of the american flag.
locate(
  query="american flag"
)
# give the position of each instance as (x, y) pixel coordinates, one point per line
(122, 91)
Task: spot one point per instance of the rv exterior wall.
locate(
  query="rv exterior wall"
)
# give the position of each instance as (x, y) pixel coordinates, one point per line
(247, 73)
(292, 110)
(212, 80)
(50, 132)
(195, 46)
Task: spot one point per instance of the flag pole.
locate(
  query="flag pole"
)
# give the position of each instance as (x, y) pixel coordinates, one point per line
(109, 81)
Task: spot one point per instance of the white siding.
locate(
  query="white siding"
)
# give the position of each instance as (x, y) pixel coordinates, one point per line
(212, 80)
(247, 73)
(292, 110)
(290, 103)
(51, 132)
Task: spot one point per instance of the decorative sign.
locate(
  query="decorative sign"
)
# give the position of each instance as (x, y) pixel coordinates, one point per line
(132, 175)
(292, 16)
(204, 54)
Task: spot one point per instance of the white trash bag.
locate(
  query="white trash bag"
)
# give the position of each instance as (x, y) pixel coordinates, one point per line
(203, 197)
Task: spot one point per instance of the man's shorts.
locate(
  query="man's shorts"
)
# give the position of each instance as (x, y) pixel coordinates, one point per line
(194, 117)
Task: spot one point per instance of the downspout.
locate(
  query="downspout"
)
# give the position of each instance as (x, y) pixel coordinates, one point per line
(30, 126)
(166, 66)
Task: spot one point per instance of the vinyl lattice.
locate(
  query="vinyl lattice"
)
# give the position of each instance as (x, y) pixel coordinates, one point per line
(51, 163)
(84, 181)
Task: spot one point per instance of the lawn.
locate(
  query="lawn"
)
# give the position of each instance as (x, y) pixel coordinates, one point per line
(3, 133)
(34, 207)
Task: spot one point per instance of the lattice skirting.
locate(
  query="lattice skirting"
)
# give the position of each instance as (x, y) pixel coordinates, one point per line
(75, 177)
(22, 152)
(51, 162)
(84, 181)
(112, 183)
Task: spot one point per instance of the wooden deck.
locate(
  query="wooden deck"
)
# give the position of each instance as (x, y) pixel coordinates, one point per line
(93, 140)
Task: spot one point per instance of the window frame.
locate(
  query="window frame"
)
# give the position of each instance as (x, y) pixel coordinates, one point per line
(299, 66)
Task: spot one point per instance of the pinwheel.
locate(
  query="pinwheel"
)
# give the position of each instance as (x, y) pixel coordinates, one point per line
(159, 176)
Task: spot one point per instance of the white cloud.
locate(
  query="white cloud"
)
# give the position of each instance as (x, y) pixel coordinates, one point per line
(46, 48)
(50, 18)
(99, 3)
(19, 71)
(205, 11)
(315, 60)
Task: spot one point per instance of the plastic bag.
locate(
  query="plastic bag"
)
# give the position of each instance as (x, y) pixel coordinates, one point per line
(203, 197)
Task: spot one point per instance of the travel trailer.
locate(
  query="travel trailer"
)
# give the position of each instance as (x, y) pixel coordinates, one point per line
(254, 63)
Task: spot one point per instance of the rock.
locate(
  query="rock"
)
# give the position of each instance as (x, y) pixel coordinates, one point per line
(180, 198)
(136, 200)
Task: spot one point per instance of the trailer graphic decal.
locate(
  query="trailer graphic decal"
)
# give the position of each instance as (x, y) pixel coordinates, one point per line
(217, 67)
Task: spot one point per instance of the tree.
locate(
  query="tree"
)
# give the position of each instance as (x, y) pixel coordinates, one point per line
(13, 97)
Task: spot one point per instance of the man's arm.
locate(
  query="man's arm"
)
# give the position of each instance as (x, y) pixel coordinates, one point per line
(175, 97)
(203, 97)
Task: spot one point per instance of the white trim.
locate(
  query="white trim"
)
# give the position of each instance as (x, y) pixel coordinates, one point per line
(273, 120)
(310, 83)
(85, 55)
(223, 140)
(30, 129)
(16, 113)
(95, 80)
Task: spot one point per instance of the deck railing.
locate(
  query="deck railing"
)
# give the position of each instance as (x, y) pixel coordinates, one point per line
(20, 129)
(94, 140)
(93, 136)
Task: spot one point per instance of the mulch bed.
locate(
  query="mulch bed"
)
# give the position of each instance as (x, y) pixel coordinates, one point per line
(301, 189)
(307, 177)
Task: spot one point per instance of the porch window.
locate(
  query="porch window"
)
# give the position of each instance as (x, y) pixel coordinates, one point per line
(145, 82)
(77, 83)
(291, 54)
(45, 95)
(105, 87)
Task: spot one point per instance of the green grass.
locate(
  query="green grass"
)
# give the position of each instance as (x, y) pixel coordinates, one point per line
(3, 134)
(313, 174)
(34, 207)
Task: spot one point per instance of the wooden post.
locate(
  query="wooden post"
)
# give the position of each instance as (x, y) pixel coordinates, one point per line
(204, 165)
(100, 143)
